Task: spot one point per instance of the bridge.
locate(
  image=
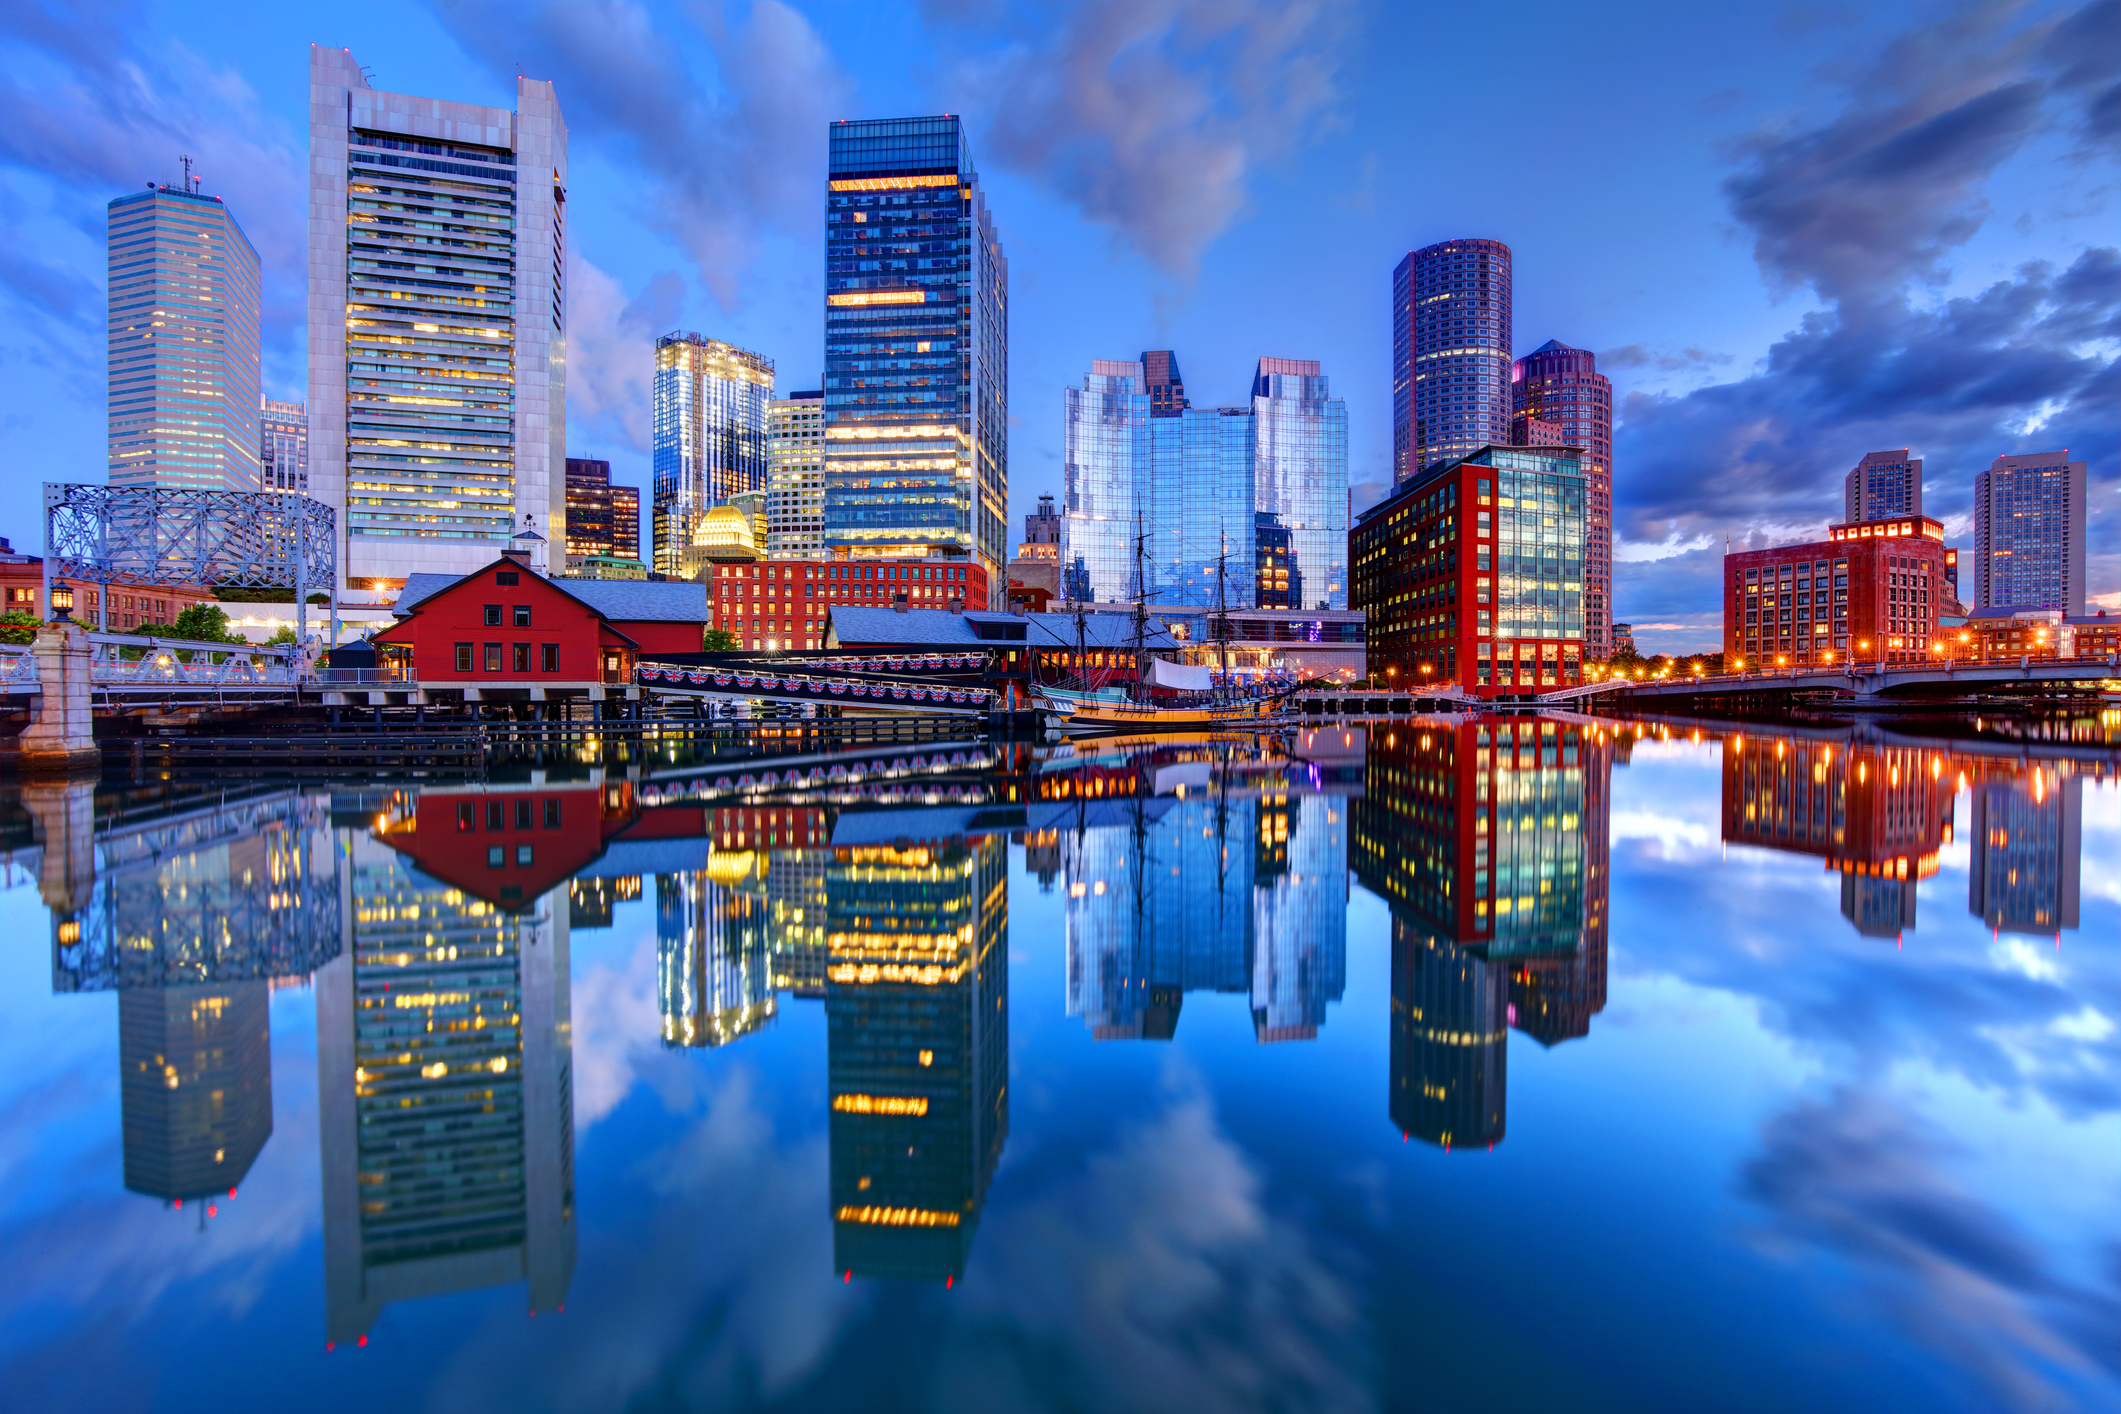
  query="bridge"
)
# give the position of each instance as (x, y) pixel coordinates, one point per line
(1883, 683)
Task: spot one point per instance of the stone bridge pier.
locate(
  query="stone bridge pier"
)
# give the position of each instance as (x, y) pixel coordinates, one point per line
(62, 737)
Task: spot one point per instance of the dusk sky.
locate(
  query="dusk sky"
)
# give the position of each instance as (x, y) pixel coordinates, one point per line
(1792, 233)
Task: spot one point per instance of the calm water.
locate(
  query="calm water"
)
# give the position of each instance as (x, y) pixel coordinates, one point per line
(1489, 1065)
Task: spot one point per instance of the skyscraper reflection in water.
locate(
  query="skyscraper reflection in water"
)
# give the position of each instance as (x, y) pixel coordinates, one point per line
(193, 916)
(1879, 814)
(916, 1015)
(444, 1065)
(1191, 875)
(1488, 841)
(714, 953)
(2026, 835)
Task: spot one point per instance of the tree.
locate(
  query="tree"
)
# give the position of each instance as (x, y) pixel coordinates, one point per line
(17, 626)
(718, 640)
(205, 623)
(282, 636)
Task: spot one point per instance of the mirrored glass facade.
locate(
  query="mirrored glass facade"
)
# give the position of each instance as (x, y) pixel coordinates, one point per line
(1450, 353)
(711, 407)
(1191, 482)
(916, 347)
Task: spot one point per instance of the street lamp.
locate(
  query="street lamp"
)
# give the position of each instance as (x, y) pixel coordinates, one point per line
(62, 602)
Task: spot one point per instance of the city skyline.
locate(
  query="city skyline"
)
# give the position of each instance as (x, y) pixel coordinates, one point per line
(1687, 319)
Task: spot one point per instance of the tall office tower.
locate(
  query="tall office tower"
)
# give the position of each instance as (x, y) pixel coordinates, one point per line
(2028, 833)
(1450, 353)
(1562, 388)
(1187, 486)
(445, 1094)
(183, 343)
(714, 955)
(2029, 533)
(437, 322)
(283, 446)
(711, 402)
(916, 348)
(195, 1082)
(1300, 473)
(603, 520)
(795, 477)
(1165, 384)
(1883, 486)
(916, 1050)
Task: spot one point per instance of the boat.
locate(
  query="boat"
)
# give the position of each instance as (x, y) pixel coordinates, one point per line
(1112, 710)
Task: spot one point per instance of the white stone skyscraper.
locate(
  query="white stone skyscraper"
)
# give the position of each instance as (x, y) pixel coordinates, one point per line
(437, 322)
(183, 343)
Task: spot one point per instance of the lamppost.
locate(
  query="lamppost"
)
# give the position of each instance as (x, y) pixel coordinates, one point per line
(62, 601)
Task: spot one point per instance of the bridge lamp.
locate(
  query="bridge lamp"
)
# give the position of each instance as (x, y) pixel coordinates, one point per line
(1782, 662)
(62, 601)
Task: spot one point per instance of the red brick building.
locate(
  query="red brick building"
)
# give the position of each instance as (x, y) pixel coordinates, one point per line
(781, 604)
(131, 605)
(1870, 591)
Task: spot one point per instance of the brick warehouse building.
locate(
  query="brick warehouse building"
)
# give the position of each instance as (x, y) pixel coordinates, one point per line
(1473, 572)
(1870, 591)
(781, 604)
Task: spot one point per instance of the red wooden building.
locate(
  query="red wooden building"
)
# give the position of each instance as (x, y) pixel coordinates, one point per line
(507, 629)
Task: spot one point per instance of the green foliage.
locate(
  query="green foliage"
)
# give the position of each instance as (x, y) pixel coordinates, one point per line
(718, 640)
(282, 636)
(17, 627)
(265, 596)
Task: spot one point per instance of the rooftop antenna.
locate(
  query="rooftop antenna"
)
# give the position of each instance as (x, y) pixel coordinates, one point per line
(187, 172)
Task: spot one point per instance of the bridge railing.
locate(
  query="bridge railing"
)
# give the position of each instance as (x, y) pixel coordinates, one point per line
(812, 687)
(189, 663)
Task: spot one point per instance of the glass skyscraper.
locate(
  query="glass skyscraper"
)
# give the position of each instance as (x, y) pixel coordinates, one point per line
(437, 322)
(2029, 533)
(183, 344)
(916, 348)
(1562, 387)
(1450, 353)
(283, 446)
(709, 439)
(1193, 481)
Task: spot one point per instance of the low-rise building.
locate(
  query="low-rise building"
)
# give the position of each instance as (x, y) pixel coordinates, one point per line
(510, 620)
(1870, 591)
(2006, 635)
(782, 605)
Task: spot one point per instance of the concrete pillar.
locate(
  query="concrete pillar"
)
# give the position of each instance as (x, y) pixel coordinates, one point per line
(65, 816)
(62, 738)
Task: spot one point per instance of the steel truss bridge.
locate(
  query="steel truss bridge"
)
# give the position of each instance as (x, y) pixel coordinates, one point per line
(136, 535)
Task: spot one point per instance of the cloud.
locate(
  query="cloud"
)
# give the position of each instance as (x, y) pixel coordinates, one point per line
(1863, 207)
(1866, 1183)
(1151, 116)
(1160, 1262)
(1689, 360)
(610, 345)
(93, 110)
(719, 156)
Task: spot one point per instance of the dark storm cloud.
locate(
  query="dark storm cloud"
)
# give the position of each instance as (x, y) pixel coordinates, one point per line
(1151, 116)
(1863, 208)
(720, 155)
(2085, 55)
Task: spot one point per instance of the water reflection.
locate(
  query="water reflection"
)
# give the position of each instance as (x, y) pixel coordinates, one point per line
(437, 922)
(1202, 869)
(444, 1066)
(1877, 808)
(1488, 838)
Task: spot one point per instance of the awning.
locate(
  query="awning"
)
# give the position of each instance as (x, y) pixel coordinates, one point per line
(1165, 673)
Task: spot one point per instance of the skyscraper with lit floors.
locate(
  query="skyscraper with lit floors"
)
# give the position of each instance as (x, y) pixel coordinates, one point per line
(437, 322)
(183, 343)
(916, 348)
(1450, 353)
(1562, 388)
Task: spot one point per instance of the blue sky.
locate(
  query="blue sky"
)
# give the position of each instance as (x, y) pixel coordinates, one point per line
(1793, 233)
